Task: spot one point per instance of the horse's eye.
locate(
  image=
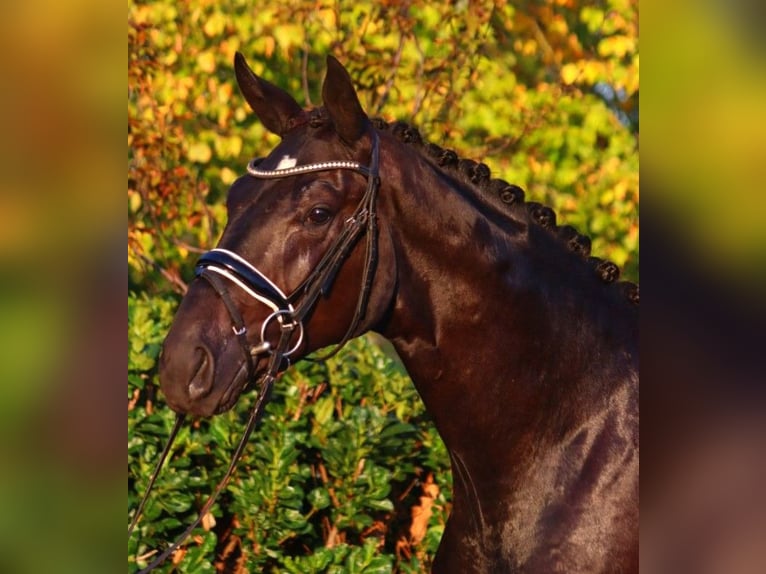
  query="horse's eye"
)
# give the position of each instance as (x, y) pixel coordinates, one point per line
(319, 215)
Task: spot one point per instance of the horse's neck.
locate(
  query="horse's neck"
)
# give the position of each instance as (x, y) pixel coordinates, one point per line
(528, 366)
(508, 339)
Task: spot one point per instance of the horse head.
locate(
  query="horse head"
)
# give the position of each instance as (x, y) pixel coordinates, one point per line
(294, 268)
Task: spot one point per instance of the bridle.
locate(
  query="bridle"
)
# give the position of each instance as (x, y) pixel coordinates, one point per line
(222, 268)
(291, 311)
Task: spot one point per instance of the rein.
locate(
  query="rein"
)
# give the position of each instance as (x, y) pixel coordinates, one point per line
(289, 312)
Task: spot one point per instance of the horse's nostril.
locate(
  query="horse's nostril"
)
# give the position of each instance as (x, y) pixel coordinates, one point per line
(202, 380)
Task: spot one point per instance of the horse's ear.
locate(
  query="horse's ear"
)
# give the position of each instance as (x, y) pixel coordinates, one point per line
(273, 106)
(342, 103)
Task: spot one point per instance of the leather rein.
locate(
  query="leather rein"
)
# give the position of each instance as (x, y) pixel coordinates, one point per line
(222, 268)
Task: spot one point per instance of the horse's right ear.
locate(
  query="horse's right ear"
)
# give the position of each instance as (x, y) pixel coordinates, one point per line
(342, 103)
(273, 106)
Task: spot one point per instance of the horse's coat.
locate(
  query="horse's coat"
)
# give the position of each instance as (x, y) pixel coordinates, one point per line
(523, 350)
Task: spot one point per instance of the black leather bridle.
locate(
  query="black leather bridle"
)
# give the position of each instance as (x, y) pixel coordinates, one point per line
(291, 311)
(223, 268)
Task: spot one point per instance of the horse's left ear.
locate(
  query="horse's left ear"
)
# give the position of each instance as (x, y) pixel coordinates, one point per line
(274, 107)
(342, 103)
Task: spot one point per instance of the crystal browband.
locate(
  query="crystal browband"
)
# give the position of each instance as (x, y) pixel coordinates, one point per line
(253, 170)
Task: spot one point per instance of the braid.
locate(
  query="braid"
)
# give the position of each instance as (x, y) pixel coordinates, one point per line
(607, 271)
(543, 215)
(575, 241)
(479, 174)
(448, 158)
(406, 133)
(630, 290)
(507, 192)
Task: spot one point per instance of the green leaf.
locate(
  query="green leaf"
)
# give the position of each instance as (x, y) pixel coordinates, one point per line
(323, 410)
(383, 504)
(319, 498)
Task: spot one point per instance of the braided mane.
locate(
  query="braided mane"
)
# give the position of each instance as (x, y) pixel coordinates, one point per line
(479, 175)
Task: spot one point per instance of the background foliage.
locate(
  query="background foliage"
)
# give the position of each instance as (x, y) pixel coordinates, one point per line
(346, 474)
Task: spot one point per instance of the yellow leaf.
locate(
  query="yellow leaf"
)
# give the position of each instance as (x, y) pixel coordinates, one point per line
(270, 43)
(529, 47)
(235, 143)
(170, 58)
(569, 73)
(228, 175)
(206, 62)
(228, 147)
(616, 46)
(228, 47)
(134, 201)
(594, 71)
(199, 152)
(558, 26)
(214, 25)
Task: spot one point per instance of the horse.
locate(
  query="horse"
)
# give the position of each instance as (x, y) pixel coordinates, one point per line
(521, 345)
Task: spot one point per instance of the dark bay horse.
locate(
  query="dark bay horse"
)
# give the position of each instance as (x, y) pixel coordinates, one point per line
(522, 346)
